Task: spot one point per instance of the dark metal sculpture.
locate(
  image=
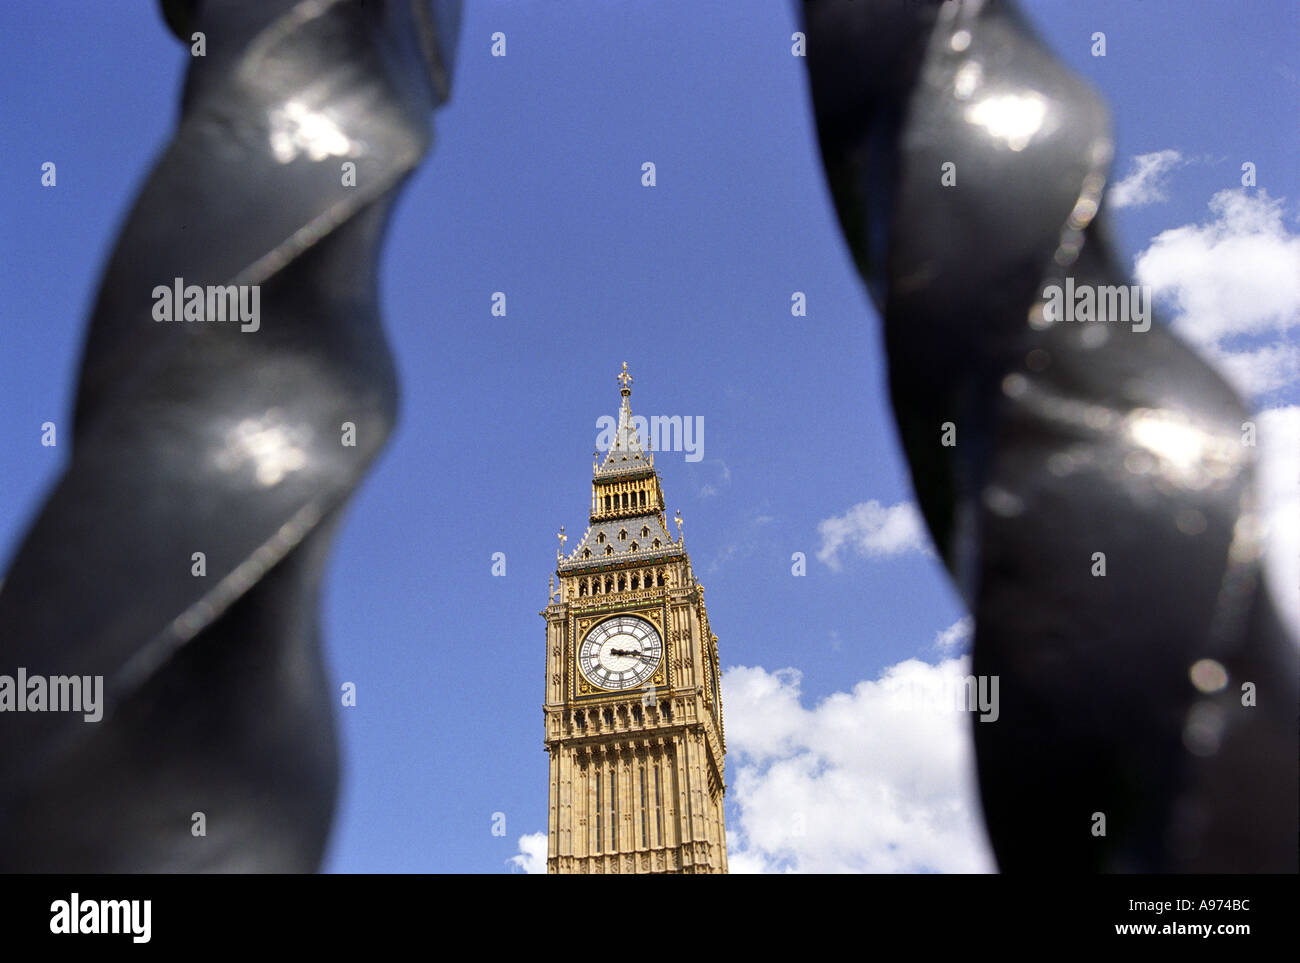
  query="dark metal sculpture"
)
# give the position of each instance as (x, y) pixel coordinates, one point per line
(240, 440)
(1075, 442)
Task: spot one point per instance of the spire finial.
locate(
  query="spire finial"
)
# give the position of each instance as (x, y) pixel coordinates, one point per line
(626, 380)
(563, 538)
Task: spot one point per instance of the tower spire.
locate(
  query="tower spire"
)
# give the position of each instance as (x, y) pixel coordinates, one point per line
(626, 453)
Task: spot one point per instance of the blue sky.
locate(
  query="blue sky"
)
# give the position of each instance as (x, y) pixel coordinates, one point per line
(533, 188)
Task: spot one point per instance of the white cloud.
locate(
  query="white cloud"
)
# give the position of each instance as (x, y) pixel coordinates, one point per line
(1145, 183)
(874, 531)
(723, 479)
(531, 858)
(956, 636)
(1234, 285)
(1256, 371)
(1278, 485)
(875, 780)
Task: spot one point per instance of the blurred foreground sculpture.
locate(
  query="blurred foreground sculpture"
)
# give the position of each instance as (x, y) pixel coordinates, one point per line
(233, 439)
(967, 167)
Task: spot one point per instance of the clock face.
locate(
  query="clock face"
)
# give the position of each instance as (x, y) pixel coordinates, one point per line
(620, 653)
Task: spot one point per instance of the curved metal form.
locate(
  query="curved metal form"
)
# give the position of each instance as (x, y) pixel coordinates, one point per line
(1083, 446)
(179, 558)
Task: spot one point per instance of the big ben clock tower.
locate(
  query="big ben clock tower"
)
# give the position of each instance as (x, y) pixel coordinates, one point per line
(633, 707)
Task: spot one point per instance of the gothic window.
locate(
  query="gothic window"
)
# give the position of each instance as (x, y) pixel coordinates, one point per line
(622, 583)
(586, 553)
(645, 810)
(668, 712)
(634, 546)
(609, 549)
(622, 534)
(599, 826)
(609, 718)
(643, 498)
(659, 577)
(659, 808)
(601, 538)
(645, 531)
(656, 545)
(636, 581)
(636, 714)
(613, 811)
(582, 588)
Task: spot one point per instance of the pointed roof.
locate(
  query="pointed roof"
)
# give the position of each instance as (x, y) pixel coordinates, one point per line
(617, 540)
(632, 533)
(626, 454)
